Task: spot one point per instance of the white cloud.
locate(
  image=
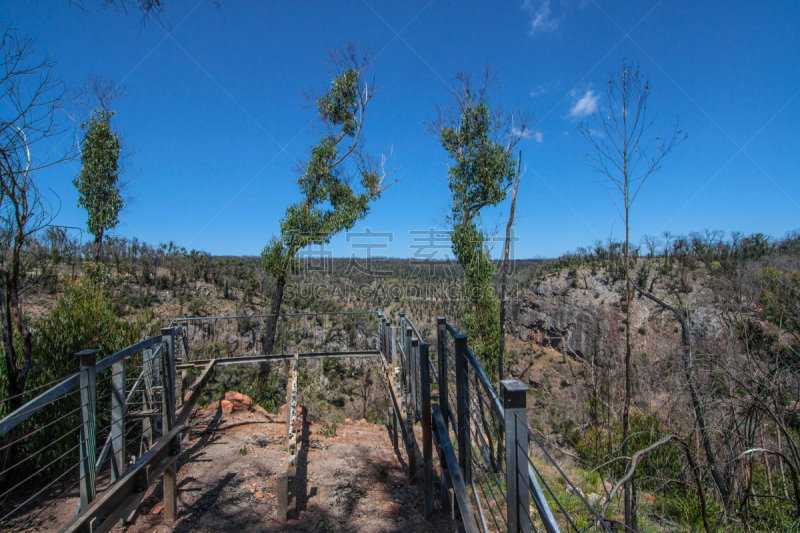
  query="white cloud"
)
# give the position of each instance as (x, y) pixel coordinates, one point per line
(586, 105)
(538, 135)
(541, 89)
(542, 19)
(516, 132)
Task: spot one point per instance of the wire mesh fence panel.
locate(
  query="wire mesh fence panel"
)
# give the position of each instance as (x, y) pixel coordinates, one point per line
(64, 445)
(250, 335)
(39, 460)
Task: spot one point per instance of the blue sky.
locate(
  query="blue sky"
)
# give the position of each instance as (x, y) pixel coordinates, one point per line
(216, 117)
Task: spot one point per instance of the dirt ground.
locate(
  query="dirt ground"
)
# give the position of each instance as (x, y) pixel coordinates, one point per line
(353, 481)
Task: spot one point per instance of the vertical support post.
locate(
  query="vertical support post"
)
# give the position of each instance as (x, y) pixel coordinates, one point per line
(168, 380)
(88, 444)
(117, 419)
(427, 435)
(282, 490)
(168, 420)
(382, 337)
(288, 405)
(149, 404)
(402, 326)
(393, 416)
(394, 346)
(414, 363)
(462, 415)
(513, 394)
(441, 349)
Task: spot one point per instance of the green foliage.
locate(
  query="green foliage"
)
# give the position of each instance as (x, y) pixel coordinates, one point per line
(82, 318)
(98, 180)
(328, 430)
(480, 175)
(269, 390)
(329, 204)
(780, 298)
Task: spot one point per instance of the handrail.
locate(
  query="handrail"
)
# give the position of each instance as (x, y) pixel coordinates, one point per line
(13, 419)
(220, 317)
(459, 485)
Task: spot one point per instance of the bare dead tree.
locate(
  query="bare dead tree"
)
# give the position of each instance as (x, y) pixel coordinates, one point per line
(625, 155)
(686, 340)
(28, 132)
(504, 273)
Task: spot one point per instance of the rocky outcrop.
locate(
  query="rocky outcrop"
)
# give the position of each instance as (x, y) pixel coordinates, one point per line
(555, 314)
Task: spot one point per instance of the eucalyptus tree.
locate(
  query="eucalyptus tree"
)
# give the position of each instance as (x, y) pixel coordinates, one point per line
(338, 182)
(99, 181)
(624, 153)
(479, 139)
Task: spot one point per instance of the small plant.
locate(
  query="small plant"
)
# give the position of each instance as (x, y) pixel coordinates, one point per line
(328, 430)
(642, 331)
(596, 295)
(243, 450)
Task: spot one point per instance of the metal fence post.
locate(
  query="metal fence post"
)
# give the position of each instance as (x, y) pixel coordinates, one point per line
(441, 348)
(382, 338)
(168, 419)
(414, 372)
(513, 394)
(394, 346)
(88, 444)
(149, 401)
(462, 416)
(117, 419)
(427, 435)
(168, 380)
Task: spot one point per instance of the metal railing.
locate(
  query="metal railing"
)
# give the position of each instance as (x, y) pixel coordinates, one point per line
(76, 439)
(487, 475)
(239, 336)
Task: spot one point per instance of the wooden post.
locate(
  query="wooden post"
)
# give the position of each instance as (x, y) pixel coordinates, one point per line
(513, 394)
(117, 419)
(282, 490)
(288, 405)
(168, 420)
(88, 444)
(462, 415)
(441, 349)
(427, 436)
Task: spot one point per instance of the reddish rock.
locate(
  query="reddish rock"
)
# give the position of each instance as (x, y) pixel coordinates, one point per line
(260, 410)
(348, 421)
(227, 407)
(241, 402)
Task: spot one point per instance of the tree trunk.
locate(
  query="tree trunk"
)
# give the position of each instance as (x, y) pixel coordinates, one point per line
(686, 340)
(629, 512)
(505, 275)
(98, 246)
(275, 309)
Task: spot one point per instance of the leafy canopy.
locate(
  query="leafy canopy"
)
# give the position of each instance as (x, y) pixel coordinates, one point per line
(98, 180)
(330, 203)
(481, 173)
